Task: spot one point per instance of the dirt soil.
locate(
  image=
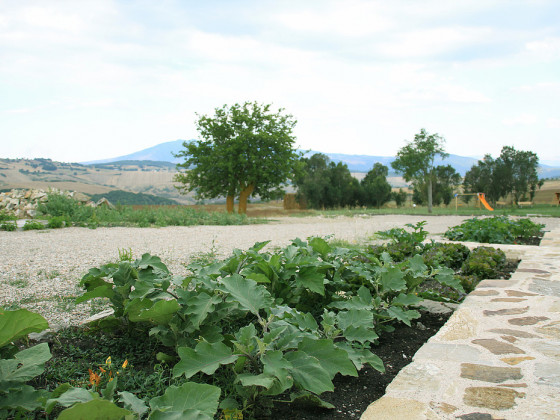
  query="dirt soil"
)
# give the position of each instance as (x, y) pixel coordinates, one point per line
(353, 395)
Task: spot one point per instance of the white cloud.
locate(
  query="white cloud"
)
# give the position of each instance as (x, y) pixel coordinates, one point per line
(547, 49)
(553, 123)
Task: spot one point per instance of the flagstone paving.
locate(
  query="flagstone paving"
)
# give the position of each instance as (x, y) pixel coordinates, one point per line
(498, 356)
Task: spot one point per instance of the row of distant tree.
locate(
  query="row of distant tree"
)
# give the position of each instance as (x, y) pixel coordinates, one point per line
(324, 184)
(247, 150)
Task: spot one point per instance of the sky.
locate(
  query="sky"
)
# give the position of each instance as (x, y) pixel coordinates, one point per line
(85, 80)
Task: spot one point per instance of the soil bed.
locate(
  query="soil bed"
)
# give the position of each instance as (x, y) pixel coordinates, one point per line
(352, 396)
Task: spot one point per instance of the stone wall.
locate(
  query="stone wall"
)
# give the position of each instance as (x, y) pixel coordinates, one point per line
(23, 203)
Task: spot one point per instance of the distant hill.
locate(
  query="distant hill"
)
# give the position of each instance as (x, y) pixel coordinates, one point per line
(162, 152)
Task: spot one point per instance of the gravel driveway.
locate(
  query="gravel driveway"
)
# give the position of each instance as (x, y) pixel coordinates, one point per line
(40, 270)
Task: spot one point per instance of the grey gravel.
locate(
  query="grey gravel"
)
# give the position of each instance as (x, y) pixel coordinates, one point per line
(41, 270)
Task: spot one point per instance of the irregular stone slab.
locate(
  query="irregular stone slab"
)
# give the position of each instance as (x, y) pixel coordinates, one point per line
(463, 324)
(531, 270)
(484, 293)
(497, 347)
(507, 311)
(476, 416)
(427, 374)
(448, 352)
(491, 397)
(508, 300)
(508, 338)
(442, 407)
(546, 287)
(496, 283)
(490, 373)
(528, 320)
(551, 330)
(390, 408)
(516, 360)
(514, 385)
(548, 374)
(551, 350)
(555, 307)
(438, 307)
(515, 333)
(518, 293)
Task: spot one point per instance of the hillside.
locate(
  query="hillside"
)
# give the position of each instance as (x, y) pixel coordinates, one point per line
(154, 178)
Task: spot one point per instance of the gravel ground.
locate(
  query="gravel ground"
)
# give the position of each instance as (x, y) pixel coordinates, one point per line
(40, 270)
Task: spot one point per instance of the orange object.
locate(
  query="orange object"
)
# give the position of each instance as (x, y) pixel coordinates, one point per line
(484, 202)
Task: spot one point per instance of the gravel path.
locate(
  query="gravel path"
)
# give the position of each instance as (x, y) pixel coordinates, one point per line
(40, 270)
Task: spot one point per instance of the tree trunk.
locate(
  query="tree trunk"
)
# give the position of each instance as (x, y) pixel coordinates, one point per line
(243, 196)
(430, 194)
(229, 203)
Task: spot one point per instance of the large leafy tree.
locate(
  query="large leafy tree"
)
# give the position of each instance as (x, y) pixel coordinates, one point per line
(513, 172)
(376, 189)
(245, 150)
(416, 160)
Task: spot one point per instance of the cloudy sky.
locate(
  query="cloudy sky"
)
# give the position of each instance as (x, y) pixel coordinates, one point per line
(84, 80)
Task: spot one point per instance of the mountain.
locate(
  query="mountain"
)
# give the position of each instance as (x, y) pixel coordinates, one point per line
(162, 152)
(356, 163)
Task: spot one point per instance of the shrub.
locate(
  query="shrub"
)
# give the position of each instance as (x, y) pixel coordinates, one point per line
(57, 222)
(448, 255)
(8, 226)
(495, 230)
(6, 216)
(33, 225)
(484, 263)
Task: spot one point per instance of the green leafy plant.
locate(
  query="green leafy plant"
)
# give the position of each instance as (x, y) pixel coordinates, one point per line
(8, 226)
(484, 263)
(18, 367)
(33, 225)
(497, 230)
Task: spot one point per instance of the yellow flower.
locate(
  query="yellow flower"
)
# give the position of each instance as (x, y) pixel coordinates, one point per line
(125, 364)
(108, 361)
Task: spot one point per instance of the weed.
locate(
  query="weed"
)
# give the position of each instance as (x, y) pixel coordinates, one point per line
(8, 226)
(125, 255)
(19, 283)
(33, 225)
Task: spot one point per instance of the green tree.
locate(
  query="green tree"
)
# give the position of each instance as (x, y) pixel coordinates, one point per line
(519, 169)
(416, 160)
(513, 172)
(325, 184)
(245, 150)
(399, 197)
(376, 189)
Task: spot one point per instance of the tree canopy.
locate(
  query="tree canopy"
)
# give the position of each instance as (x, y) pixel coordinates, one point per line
(416, 160)
(513, 172)
(245, 150)
(376, 189)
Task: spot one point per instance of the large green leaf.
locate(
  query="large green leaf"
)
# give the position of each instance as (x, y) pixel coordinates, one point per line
(276, 365)
(105, 290)
(25, 397)
(199, 306)
(362, 334)
(24, 366)
(332, 359)
(402, 315)
(308, 398)
(263, 380)
(248, 293)
(310, 278)
(320, 245)
(308, 372)
(361, 356)
(406, 300)
(70, 397)
(392, 279)
(355, 318)
(159, 312)
(97, 409)
(148, 260)
(205, 357)
(133, 403)
(189, 401)
(19, 323)
(446, 277)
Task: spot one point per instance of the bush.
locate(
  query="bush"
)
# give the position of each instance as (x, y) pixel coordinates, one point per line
(484, 263)
(5, 216)
(57, 222)
(448, 255)
(8, 226)
(495, 230)
(33, 225)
